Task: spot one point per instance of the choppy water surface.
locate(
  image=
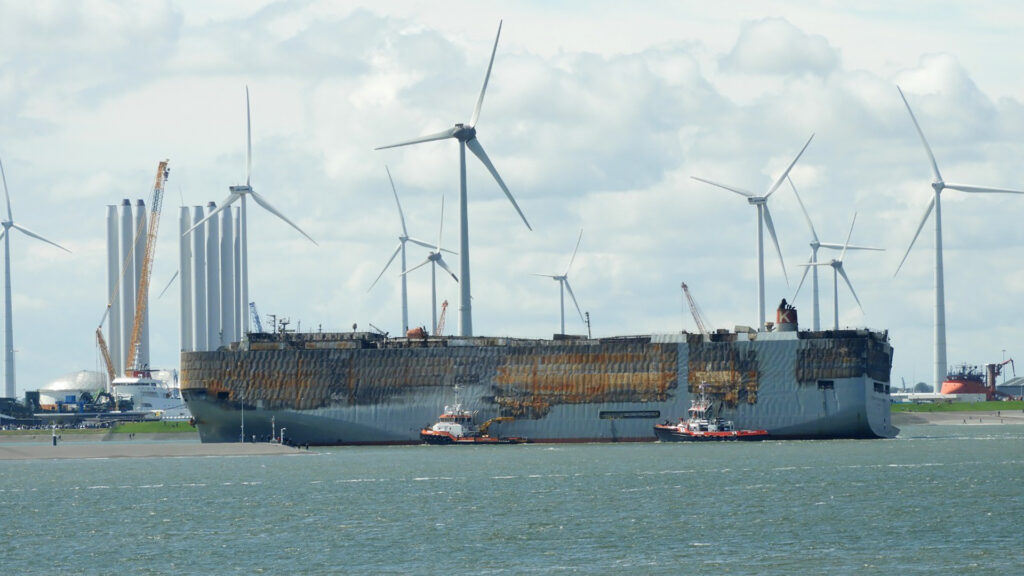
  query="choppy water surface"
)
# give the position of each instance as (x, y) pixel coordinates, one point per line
(935, 500)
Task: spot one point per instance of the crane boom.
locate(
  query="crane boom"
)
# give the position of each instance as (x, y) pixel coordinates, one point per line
(106, 353)
(255, 317)
(439, 329)
(142, 297)
(695, 311)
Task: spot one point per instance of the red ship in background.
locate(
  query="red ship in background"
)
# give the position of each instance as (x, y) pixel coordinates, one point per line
(967, 379)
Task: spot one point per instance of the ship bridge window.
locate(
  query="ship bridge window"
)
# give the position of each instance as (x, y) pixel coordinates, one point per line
(826, 385)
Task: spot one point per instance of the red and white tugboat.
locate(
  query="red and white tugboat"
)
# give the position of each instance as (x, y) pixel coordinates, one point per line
(703, 425)
(456, 426)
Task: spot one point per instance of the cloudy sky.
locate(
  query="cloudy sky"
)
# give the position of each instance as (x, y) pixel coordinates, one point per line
(597, 116)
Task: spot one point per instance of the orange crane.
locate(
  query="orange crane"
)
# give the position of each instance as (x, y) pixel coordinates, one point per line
(695, 311)
(142, 296)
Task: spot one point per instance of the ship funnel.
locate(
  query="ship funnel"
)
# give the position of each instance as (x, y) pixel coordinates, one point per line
(785, 317)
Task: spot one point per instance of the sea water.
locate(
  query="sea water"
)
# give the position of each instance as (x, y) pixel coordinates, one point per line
(935, 500)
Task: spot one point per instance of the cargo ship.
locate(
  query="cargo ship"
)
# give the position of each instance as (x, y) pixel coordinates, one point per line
(366, 388)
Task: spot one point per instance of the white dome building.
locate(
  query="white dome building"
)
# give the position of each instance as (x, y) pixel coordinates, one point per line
(69, 388)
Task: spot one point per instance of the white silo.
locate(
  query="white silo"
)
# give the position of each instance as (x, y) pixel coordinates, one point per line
(228, 308)
(199, 280)
(185, 277)
(213, 330)
(113, 291)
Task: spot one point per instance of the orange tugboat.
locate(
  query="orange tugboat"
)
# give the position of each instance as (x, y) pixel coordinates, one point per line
(702, 425)
(456, 426)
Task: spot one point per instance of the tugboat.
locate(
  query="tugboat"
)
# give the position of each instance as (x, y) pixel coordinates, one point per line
(456, 427)
(703, 426)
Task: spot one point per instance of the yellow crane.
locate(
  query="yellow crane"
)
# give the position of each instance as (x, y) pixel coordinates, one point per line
(142, 296)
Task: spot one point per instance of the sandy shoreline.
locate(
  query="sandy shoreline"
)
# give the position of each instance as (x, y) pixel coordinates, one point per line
(991, 418)
(78, 448)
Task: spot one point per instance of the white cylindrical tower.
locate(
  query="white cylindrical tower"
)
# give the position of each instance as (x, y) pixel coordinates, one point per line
(241, 308)
(185, 279)
(227, 279)
(213, 329)
(141, 233)
(113, 292)
(127, 286)
(199, 281)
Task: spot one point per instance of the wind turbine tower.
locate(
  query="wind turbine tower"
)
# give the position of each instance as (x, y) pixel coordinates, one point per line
(10, 389)
(466, 135)
(563, 285)
(812, 262)
(238, 194)
(401, 249)
(764, 218)
(938, 185)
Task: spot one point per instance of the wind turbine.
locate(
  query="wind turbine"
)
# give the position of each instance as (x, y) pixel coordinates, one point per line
(563, 282)
(837, 271)
(238, 193)
(466, 135)
(434, 259)
(764, 218)
(9, 381)
(815, 244)
(402, 239)
(938, 185)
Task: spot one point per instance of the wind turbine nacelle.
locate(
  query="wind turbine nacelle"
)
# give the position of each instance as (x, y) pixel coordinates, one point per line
(757, 200)
(239, 189)
(464, 133)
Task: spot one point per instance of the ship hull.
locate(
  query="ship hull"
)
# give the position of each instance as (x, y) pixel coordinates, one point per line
(361, 390)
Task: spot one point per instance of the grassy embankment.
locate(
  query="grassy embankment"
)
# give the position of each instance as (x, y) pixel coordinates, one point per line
(960, 407)
(154, 427)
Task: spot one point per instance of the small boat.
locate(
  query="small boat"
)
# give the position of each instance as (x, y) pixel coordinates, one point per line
(456, 427)
(703, 425)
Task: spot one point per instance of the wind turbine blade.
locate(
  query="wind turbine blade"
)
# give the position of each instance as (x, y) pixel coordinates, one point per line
(422, 243)
(169, 282)
(848, 235)
(786, 173)
(428, 138)
(807, 268)
(386, 266)
(227, 202)
(553, 276)
(7, 196)
(927, 212)
(478, 150)
(573, 296)
(440, 262)
(38, 237)
(775, 240)
(573, 258)
(739, 191)
(417, 267)
(850, 286)
(975, 189)
(927, 148)
(248, 138)
(487, 77)
(440, 225)
(401, 216)
(849, 247)
(259, 200)
(807, 216)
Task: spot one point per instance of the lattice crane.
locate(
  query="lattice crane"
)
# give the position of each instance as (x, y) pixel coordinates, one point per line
(695, 311)
(142, 297)
(439, 329)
